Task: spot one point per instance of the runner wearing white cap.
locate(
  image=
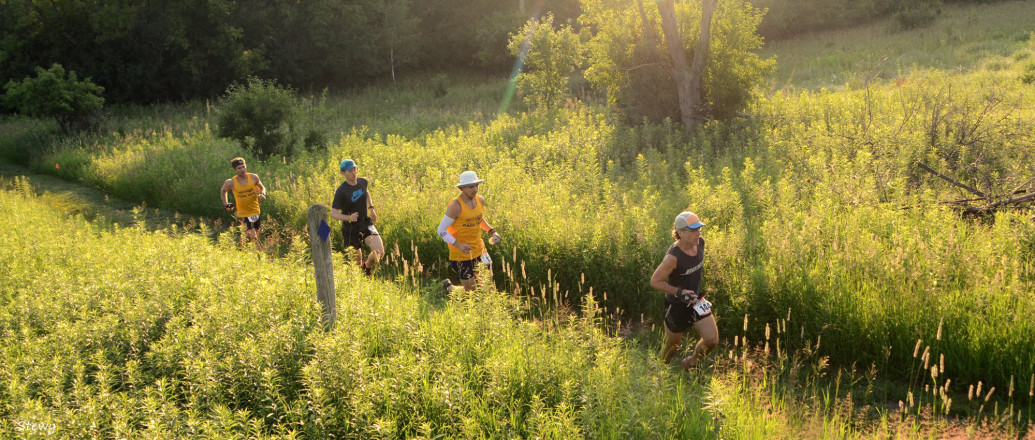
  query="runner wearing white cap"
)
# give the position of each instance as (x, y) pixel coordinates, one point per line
(461, 229)
(679, 278)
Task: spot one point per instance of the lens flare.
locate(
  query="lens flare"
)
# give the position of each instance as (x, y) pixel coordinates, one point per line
(520, 61)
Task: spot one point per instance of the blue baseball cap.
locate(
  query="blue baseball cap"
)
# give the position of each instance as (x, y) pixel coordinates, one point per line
(347, 164)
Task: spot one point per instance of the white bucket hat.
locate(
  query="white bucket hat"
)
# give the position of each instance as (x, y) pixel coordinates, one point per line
(468, 178)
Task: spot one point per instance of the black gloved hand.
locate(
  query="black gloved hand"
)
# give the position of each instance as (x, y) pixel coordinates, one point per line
(686, 296)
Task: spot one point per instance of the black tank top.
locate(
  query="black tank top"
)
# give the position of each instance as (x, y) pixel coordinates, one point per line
(687, 273)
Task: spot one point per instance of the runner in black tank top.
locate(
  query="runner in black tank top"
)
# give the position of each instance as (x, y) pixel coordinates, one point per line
(679, 278)
(687, 273)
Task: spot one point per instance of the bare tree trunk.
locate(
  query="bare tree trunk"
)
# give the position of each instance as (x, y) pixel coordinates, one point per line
(647, 29)
(391, 55)
(689, 83)
(680, 66)
(701, 58)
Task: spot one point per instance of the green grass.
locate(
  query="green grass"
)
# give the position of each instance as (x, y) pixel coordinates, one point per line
(584, 202)
(964, 38)
(115, 333)
(222, 343)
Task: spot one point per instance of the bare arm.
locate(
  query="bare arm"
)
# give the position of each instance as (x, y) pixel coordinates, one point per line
(370, 207)
(487, 228)
(338, 215)
(659, 280)
(227, 185)
(260, 186)
(453, 211)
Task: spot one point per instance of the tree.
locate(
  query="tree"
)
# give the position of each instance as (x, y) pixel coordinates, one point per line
(58, 94)
(551, 56)
(625, 64)
(680, 68)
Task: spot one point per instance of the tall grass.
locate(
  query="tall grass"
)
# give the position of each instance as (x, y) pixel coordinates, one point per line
(129, 333)
(816, 205)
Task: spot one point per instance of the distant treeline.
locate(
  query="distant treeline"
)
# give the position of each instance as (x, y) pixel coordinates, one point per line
(162, 50)
(170, 50)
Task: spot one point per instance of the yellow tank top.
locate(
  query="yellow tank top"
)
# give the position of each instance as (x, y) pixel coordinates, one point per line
(246, 197)
(467, 229)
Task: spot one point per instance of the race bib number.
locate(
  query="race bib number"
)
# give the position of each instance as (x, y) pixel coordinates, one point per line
(372, 229)
(703, 307)
(253, 218)
(486, 260)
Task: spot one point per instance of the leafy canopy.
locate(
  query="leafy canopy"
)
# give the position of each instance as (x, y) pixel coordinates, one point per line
(550, 56)
(59, 94)
(628, 59)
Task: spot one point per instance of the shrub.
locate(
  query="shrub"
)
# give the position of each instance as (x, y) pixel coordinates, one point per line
(918, 14)
(314, 119)
(1028, 77)
(58, 94)
(261, 115)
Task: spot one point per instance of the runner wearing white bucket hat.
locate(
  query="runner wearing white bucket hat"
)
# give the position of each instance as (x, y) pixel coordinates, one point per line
(461, 229)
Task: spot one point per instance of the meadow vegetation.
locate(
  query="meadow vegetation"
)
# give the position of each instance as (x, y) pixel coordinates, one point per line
(129, 333)
(833, 265)
(124, 332)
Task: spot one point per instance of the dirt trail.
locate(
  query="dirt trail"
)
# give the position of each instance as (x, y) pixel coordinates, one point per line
(74, 198)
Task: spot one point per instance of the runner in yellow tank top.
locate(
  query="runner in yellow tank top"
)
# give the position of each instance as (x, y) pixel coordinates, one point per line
(466, 228)
(248, 192)
(461, 229)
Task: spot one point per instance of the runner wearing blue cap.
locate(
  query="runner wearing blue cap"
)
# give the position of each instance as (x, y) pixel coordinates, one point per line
(355, 208)
(679, 278)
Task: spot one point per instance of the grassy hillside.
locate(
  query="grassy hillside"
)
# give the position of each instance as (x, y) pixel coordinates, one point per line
(223, 344)
(821, 226)
(963, 38)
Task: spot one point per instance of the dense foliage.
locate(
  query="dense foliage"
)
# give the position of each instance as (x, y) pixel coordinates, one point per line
(53, 93)
(173, 50)
(549, 59)
(630, 64)
(262, 116)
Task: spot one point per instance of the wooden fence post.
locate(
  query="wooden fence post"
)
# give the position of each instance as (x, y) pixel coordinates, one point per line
(322, 263)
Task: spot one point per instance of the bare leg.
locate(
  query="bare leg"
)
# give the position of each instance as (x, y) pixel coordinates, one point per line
(253, 235)
(709, 339)
(377, 250)
(672, 342)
